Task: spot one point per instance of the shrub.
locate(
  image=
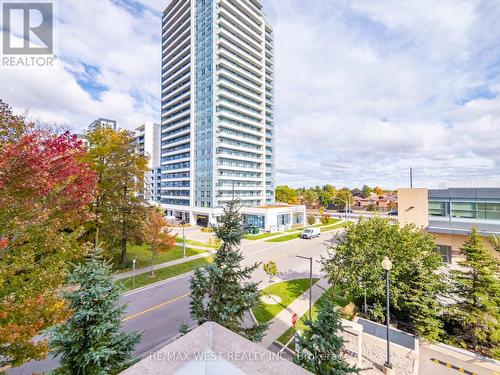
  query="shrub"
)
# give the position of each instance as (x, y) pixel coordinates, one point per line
(325, 219)
(311, 219)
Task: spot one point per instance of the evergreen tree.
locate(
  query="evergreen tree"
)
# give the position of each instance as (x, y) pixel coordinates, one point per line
(91, 342)
(222, 292)
(320, 346)
(419, 303)
(476, 313)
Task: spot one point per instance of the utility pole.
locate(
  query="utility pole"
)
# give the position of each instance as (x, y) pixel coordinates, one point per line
(411, 177)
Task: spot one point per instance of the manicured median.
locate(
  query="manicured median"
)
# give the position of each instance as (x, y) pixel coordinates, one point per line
(286, 237)
(287, 291)
(259, 236)
(339, 299)
(295, 235)
(164, 273)
(196, 243)
(142, 254)
(331, 221)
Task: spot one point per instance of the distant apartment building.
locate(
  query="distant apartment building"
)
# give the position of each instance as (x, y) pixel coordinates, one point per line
(451, 213)
(101, 122)
(147, 137)
(217, 111)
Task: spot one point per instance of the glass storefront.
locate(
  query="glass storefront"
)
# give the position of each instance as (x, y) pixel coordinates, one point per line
(283, 219)
(472, 210)
(254, 221)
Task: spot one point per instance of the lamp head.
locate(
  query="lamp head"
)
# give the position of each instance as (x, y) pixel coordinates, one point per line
(387, 264)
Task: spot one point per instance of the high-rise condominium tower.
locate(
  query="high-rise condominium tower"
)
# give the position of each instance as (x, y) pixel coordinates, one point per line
(217, 85)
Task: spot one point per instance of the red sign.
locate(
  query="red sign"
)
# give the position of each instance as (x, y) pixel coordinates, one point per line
(294, 318)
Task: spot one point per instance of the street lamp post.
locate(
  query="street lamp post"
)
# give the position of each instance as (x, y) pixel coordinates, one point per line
(133, 273)
(310, 282)
(387, 266)
(183, 240)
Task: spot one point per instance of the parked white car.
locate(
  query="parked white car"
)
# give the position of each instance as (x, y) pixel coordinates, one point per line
(310, 233)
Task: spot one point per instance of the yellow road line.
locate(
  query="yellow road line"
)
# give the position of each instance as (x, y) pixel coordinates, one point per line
(154, 307)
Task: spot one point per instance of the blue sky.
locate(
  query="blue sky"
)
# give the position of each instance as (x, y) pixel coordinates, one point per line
(365, 89)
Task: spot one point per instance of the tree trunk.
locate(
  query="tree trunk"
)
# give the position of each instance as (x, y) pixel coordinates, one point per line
(123, 260)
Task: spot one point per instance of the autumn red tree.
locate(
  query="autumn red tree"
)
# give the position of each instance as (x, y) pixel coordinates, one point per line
(158, 235)
(45, 187)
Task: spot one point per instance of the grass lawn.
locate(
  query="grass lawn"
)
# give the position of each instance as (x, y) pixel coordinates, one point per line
(261, 235)
(163, 273)
(332, 227)
(295, 234)
(143, 255)
(196, 243)
(288, 291)
(330, 222)
(339, 300)
(286, 237)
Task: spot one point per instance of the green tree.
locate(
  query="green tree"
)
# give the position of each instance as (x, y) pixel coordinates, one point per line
(310, 198)
(286, 194)
(476, 288)
(271, 269)
(92, 341)
(222, 292)
(366, 191)
(320, 346)
(12, 127)
(372, 207)
(356, 263)
(326, 195)
(120, 214)
(343, 196)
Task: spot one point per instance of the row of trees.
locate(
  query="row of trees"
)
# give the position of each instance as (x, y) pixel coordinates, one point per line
(222, 292)
(420, 292)
(325, 196)
(56, 195)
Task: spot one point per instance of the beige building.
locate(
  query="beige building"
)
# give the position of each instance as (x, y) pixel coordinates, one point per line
(450, 214)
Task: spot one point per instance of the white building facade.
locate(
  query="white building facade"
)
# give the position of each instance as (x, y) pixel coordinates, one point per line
(147, 138)
(101, 123)
(217, 108)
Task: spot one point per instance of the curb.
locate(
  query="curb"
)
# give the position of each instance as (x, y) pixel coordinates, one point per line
(170, 279)
(175, 262)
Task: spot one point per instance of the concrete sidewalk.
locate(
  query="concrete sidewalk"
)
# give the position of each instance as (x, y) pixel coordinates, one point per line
(142, 270)
(281, 322)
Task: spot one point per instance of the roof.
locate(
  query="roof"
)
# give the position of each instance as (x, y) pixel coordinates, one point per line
(213, 349)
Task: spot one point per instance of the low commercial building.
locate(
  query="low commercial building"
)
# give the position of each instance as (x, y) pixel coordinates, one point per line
(451, 213)
(269, 218)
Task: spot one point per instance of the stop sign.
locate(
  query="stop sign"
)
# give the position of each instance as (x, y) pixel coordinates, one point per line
(294, 318)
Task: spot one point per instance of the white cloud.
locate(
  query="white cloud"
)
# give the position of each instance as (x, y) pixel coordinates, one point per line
(365, 89)
(98, 44)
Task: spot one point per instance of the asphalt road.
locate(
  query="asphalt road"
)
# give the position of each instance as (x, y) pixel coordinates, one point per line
(158, 310)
